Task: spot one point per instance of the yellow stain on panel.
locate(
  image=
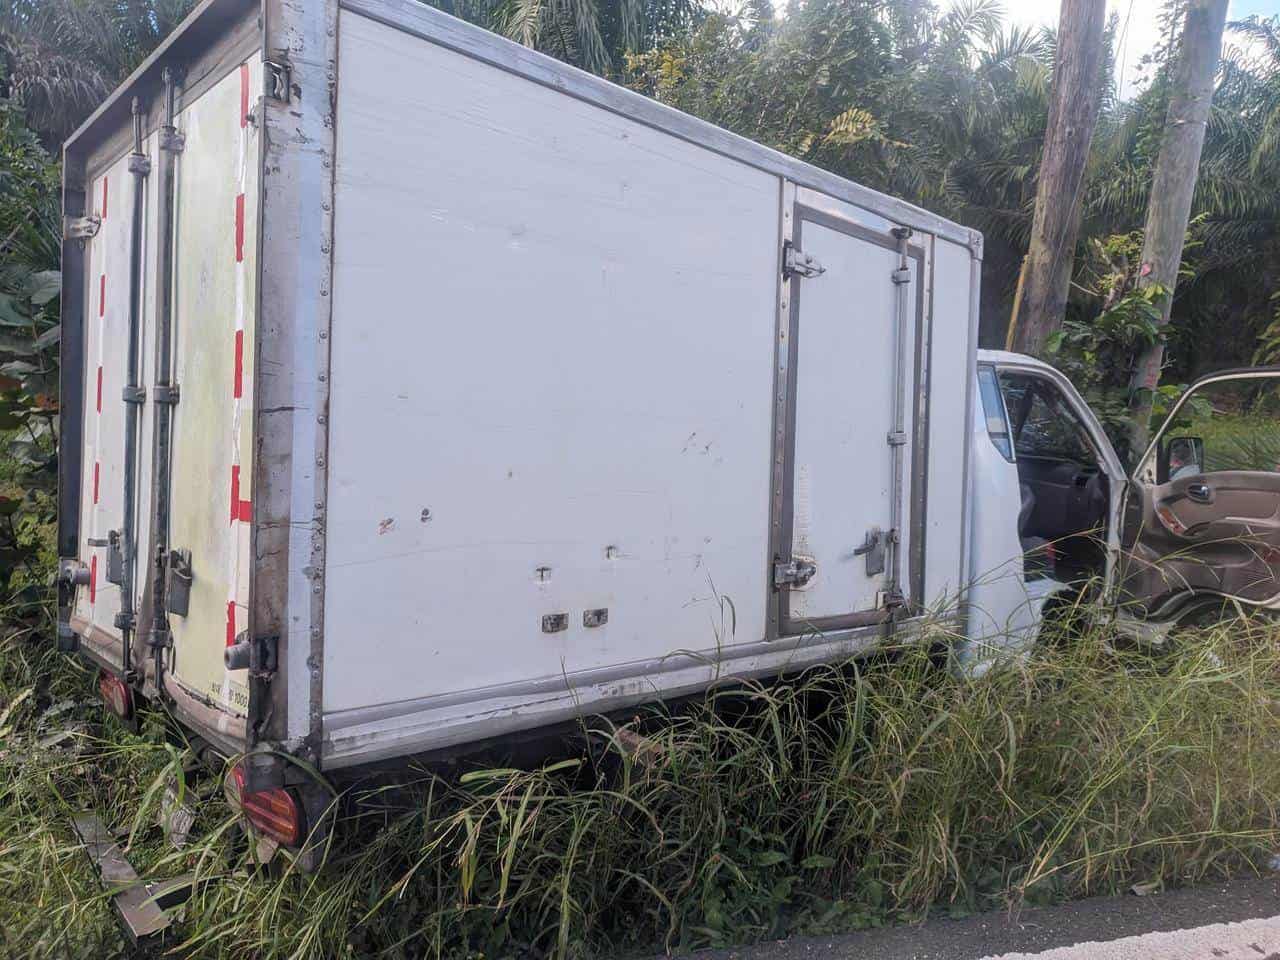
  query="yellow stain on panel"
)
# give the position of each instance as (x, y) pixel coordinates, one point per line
(215, 253)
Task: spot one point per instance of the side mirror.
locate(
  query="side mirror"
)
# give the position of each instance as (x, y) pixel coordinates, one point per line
(1181, 457)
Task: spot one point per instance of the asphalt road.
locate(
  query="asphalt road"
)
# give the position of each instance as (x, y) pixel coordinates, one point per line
(1179, 925)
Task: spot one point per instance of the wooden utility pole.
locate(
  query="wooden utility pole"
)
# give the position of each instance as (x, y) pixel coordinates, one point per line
(1177, 167)
(1073, 112)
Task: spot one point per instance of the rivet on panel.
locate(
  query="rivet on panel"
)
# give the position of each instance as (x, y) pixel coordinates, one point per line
(320, 419)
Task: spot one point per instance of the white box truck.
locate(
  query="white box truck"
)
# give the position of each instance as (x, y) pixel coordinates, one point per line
(419, 389)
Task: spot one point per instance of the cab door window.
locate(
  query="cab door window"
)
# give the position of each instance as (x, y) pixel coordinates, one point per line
(1064, 492)
(1043, 425)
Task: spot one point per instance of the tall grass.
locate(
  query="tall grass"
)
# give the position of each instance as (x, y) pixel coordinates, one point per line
(848, 796)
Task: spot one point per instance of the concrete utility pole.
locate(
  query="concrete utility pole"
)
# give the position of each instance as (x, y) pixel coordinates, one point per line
(1177, 168)
(1073, 112)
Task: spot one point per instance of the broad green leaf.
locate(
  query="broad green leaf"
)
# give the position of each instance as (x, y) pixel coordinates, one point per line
(44, 286)
(12, 312)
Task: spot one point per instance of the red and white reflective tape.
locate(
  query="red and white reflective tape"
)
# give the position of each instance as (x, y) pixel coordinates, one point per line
(97, 428)
(241, 503)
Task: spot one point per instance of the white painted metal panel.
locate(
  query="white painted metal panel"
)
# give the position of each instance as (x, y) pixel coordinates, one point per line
(845, 373)
(551, 382)
(1003, 610)
(950, 373)
(214, 277)
(106, 355)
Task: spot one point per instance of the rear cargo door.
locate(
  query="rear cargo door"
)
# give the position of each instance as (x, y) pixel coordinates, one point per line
(215, 231)
(849, 299)
(107, 269)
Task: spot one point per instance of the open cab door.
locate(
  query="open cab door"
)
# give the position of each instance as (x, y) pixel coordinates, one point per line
(1201, 516)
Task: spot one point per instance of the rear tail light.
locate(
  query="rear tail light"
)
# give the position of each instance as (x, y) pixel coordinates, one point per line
(116, 693)
(274, 812)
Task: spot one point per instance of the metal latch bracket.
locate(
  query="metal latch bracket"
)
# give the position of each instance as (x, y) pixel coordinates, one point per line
(795, 572)
(797, 263)
(165, 393)
(81, 228)
(172, 139)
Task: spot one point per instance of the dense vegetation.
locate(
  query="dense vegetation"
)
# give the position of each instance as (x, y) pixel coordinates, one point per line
(845, 799)
(1086, 771)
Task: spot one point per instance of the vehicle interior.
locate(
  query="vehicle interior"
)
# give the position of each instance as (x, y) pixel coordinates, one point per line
(1065, 497)
(1208, 520)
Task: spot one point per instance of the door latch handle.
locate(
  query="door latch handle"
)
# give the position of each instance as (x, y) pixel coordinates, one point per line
(1200, 492)
(873, 548)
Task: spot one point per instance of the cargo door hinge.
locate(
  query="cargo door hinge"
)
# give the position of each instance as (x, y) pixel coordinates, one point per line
(276, 79)
(797, 263)
(81, 228)
(795, 572)
(256, 656)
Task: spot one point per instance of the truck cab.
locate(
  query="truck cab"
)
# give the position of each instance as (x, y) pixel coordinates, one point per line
(1060, 522)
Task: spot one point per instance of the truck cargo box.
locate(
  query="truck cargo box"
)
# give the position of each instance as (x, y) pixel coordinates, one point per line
(421, 389)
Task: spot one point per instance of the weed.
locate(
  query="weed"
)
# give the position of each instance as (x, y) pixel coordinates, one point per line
(848, 796)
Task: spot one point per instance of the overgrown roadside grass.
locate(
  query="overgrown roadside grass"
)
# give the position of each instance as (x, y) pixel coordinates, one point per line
(843, 798)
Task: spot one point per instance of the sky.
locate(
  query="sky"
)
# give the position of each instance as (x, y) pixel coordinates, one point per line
(1141, 33)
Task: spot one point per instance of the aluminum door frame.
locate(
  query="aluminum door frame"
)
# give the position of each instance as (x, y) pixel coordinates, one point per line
(781, 526)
